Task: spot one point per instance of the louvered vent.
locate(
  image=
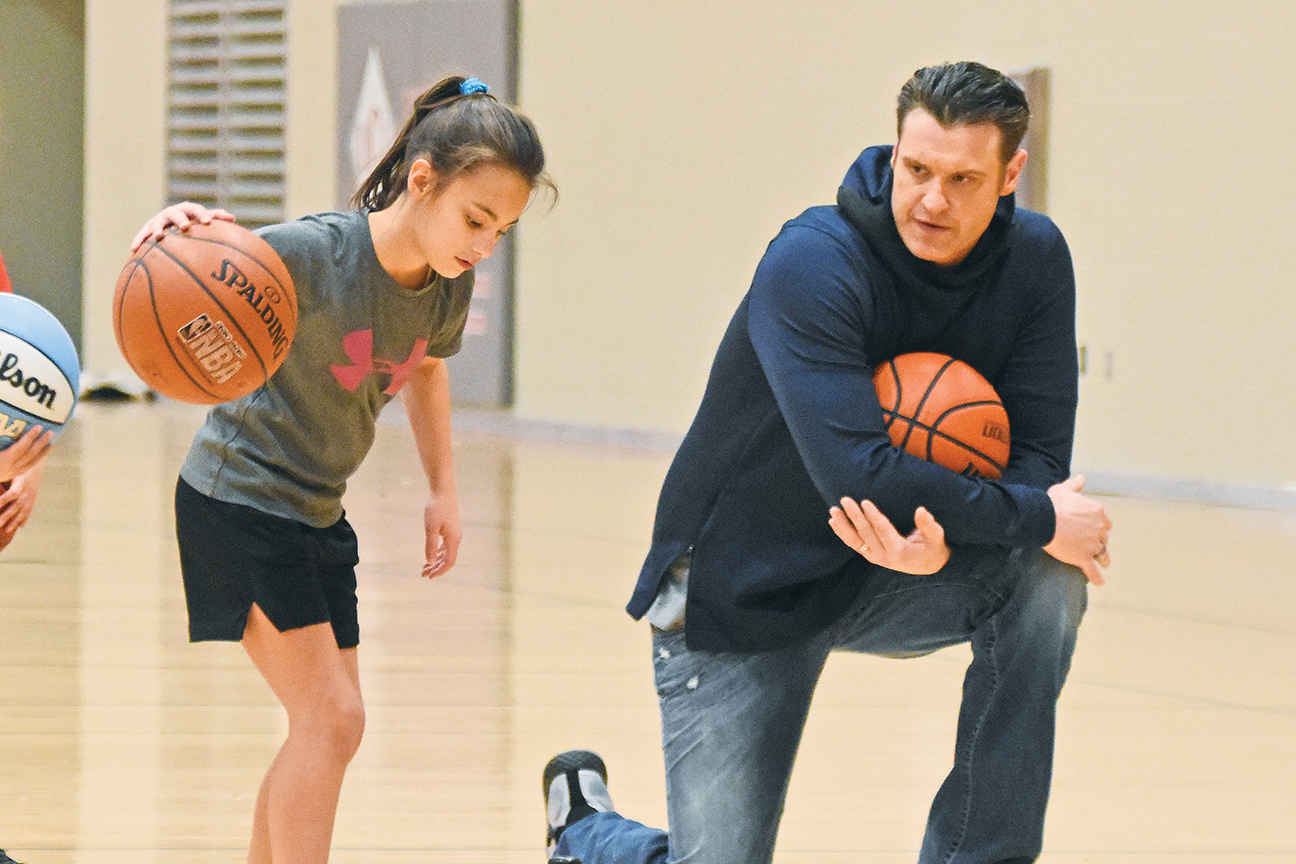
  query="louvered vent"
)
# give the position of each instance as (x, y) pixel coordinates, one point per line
(225, 140)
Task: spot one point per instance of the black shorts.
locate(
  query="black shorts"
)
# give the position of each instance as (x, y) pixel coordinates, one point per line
(233, 556)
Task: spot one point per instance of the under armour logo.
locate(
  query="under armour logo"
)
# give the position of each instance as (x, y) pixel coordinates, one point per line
(359, 350)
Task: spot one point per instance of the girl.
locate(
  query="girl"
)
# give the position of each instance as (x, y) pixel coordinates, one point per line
(267, 555)
(22, 465)
(24, 462)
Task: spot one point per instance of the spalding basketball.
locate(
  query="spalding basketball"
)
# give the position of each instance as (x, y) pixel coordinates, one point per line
(942, 410)
(40, 375)
(205, 315)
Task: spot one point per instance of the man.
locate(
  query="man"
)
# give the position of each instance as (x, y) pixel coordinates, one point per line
(748, 585)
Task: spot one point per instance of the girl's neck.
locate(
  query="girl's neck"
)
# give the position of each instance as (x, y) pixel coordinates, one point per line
(392, 243)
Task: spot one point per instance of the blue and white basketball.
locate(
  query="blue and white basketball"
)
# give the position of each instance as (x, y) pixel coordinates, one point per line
(40, 375)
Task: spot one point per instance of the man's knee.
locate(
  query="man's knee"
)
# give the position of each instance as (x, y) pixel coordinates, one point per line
(1049, 600)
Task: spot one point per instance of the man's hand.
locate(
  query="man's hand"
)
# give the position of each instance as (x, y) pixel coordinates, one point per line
(865, 529)
(1082, 529)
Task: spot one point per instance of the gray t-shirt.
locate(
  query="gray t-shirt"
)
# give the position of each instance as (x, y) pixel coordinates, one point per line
(288, 447)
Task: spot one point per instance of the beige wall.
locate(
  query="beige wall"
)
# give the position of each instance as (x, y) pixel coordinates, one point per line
(125, 162)
(41, 86)
(682, 134)
(124, 158)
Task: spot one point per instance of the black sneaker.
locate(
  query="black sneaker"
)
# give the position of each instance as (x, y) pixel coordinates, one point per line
(5, 859)
(575, 786)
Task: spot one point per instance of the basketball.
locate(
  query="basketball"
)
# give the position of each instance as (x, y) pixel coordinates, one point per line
(205, 315)
(40, 375)
(942, 410)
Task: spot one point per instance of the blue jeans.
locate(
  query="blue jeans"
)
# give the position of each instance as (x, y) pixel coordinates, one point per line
(732, 722)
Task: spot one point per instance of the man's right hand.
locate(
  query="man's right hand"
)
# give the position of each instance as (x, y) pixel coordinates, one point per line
(864, 528)
(1082, 529)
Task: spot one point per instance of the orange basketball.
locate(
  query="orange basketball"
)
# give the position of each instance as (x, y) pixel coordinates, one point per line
(205, 315)
(942, 410)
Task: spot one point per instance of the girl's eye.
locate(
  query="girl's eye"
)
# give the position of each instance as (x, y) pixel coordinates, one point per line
(473, 223)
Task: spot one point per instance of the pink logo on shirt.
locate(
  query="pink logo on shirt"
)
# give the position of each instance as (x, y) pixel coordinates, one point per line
(359, 350)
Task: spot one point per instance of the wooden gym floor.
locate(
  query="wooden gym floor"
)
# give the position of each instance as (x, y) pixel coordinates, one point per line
(120, 742)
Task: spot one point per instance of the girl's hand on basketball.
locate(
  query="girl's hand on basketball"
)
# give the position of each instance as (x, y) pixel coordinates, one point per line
(180, 216)
(864, 528)
(17, 501)
(443, 532)
(1082, 529)
(27, 451)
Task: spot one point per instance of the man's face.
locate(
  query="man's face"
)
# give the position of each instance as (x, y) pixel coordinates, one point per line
(947, 185)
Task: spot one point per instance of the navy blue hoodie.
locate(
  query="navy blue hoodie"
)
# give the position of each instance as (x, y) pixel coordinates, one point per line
(790, 422)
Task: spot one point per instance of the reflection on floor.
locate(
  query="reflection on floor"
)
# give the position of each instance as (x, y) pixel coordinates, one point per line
(120, 742)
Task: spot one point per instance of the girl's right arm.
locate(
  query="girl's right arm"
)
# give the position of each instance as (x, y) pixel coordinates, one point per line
(181, 216)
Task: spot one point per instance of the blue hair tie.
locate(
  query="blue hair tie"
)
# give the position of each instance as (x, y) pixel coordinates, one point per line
(472, 85)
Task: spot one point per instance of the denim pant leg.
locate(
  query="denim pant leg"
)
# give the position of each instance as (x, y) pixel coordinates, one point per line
(610, 838)
(1021, 611)
(991, 806)
(731, 725)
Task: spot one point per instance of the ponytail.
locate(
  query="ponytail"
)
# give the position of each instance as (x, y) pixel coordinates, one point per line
(458, 126)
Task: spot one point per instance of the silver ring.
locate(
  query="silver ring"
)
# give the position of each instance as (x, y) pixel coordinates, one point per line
(862, 548)
(1101, 552)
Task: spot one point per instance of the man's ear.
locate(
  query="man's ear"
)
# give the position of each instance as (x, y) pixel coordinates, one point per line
(1012, 172)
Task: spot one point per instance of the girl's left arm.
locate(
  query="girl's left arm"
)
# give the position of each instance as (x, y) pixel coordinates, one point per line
(427, 404)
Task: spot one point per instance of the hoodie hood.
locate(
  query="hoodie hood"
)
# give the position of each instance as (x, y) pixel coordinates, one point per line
(864, 199)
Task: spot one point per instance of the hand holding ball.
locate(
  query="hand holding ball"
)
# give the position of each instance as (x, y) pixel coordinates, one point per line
(40, 375)
(205, 315)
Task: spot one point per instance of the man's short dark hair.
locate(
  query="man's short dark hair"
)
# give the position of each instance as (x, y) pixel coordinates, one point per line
(964, 94)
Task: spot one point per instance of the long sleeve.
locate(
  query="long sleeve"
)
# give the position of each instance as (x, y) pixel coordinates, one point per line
(812, 321)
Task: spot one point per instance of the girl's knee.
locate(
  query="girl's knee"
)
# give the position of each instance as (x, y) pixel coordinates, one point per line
(348, 728)
(334, 728)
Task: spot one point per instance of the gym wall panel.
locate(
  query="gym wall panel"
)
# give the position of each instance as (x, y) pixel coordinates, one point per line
(42, 46)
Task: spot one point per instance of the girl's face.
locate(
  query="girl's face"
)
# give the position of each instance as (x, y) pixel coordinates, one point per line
(460, 224)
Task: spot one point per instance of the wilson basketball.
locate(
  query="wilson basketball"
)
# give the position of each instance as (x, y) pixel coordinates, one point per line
(39, 371)
(205, 315)
(942, 410)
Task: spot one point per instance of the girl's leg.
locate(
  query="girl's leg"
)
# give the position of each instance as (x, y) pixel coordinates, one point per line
(319, 686)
